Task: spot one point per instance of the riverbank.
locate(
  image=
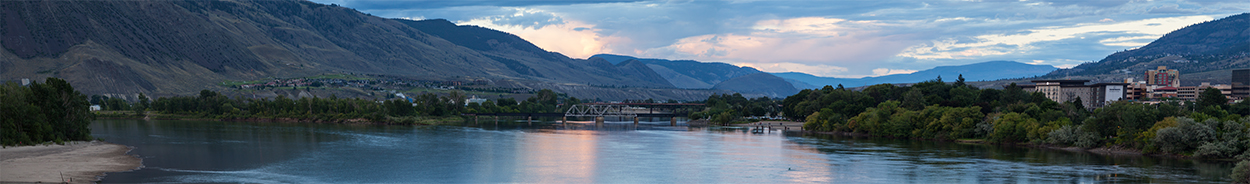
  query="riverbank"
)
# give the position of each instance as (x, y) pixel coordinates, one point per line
(75, 162)
(1109, 151)
(407, 120)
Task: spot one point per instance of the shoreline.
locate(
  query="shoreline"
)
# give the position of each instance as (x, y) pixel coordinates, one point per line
(76, 162)
(354, 121)
(1106, 151)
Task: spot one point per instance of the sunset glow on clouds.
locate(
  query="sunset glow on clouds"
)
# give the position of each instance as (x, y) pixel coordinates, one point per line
(826, 38)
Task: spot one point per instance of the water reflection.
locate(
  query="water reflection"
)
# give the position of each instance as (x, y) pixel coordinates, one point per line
(943, 162)
(546, 151)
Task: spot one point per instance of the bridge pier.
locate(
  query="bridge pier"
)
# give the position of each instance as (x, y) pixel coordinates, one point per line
(598, 119)
(635, 120)
(672, 121)
(564, 119)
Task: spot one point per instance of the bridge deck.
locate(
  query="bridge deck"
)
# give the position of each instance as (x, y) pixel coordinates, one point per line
(563, 115)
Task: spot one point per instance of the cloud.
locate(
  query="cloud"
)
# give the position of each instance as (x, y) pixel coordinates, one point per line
(808, 40)
(571, 38)
(434, 4)
(1127, 34)
(1089, 3)
(887, 71)
(1169, 9)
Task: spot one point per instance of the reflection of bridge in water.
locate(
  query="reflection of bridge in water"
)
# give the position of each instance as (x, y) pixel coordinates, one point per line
(601, 110)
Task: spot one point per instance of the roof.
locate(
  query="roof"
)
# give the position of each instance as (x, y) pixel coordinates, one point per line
(1166, 88)
(1061, 81)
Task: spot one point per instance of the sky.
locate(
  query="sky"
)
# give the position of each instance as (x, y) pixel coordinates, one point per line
(846, 38)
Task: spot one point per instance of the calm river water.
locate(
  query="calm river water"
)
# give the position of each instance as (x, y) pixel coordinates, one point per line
(581, 152)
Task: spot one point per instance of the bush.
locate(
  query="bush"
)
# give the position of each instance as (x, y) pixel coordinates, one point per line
(1186, 136)
(1241, 173)
(1219, 149)
(1073, 135)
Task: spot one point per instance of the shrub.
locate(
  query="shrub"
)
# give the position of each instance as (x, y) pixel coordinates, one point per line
(1073, 135)
(1218, 149)
(1241, 173)
(1187, 135)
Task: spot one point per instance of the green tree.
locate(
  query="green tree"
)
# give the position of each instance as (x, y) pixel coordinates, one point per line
(1212, 97)
(913, 100)
(959, 82)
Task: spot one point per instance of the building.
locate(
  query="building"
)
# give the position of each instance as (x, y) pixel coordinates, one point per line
(1163, 77)
(474, 99)
(1241, 76)
(1241, 84)
(1092, 96)
(1192, 93)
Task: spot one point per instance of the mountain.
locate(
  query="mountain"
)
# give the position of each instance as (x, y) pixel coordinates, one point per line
(687, 74)
(1209, 46)
(992, 70)
(521, 55)
(180, 47)
(759, 83)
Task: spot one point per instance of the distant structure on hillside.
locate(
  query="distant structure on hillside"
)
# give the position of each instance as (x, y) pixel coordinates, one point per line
(1092, 96)
(1163, 77)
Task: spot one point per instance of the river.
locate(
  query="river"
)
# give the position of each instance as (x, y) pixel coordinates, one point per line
(583, 152)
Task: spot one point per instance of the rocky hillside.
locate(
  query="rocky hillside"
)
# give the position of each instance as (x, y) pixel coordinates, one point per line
(686, 74)
(1210, 46)
(179, 47)
(759, 83)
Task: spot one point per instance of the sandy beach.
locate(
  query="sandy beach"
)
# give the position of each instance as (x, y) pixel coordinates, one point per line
(79, 162)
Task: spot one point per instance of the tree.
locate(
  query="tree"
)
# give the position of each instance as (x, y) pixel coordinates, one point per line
(913, 100)
(960, 81)
(1211, 97)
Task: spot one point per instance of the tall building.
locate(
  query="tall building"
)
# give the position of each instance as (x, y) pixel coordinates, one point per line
(1241, 84)
(1241, 76)
(1163, 77)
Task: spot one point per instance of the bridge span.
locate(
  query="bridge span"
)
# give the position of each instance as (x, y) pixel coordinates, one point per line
(600, 110)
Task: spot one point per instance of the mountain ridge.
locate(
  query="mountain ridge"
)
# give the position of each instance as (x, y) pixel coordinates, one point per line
(165, 48)
(1214, 45)
(990, 70)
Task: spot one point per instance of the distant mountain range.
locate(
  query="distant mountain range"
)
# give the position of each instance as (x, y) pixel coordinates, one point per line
(992, 70)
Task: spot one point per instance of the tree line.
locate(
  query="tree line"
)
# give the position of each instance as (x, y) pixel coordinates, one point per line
(726, 108)
(210, 104)
(1207, 128)
(39, 113)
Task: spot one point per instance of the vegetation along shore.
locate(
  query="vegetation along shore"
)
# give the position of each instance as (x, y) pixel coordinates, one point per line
(1209, 128)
